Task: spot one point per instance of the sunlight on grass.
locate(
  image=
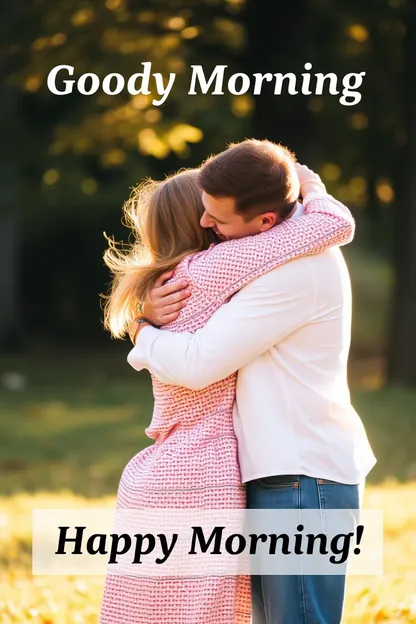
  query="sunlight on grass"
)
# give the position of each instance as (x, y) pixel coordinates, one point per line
(76, 600)
(70, 430)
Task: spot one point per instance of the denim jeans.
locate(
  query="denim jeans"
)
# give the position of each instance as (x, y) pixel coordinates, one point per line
(294, 599)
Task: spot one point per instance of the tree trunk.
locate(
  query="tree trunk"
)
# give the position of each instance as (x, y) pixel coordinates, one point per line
(10, 126)
(402, 362)
(277, 37)
(9, 253)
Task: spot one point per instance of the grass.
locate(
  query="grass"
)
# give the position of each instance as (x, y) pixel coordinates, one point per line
(66, 436)
(76, 600)
(74, 428)
(389, 418)
(371, 280)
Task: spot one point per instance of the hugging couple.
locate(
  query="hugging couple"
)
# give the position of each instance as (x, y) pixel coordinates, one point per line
(238, 301)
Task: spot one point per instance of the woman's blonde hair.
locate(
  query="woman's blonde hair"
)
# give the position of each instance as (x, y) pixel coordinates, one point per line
(164, 219)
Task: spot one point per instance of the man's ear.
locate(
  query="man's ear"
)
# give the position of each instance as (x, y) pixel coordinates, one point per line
(268, 220)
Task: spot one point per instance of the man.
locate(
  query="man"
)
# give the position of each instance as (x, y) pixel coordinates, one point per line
(287, 333)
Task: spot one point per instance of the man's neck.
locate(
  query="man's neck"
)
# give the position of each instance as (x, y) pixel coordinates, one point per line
(296, 211)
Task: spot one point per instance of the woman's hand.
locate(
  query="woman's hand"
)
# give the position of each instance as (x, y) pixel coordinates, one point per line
(309, 181)
(166, 300)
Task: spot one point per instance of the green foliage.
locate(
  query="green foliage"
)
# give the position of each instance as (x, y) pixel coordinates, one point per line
(85, 151)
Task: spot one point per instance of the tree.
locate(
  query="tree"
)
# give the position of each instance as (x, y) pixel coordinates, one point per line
(402, 363)
(277, 35)
(10, 182)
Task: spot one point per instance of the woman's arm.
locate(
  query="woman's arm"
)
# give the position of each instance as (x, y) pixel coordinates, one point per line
(224, 269)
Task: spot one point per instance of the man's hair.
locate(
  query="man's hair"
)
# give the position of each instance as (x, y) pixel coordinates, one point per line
(259, 175)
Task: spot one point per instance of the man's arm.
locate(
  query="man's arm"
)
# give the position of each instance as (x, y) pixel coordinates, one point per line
(256, 318)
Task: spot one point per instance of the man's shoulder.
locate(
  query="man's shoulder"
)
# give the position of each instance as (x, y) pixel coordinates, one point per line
(317, 261)
(304, 264)
(304, 273)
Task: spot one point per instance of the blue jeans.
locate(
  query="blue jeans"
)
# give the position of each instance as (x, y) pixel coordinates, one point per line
(299, 599)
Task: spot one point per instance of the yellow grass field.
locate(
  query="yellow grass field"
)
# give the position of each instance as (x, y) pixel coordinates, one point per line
(76, 600)
(75, 424)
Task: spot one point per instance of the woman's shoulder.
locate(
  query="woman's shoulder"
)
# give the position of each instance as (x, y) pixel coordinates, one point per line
(195, 269)
(193, 261)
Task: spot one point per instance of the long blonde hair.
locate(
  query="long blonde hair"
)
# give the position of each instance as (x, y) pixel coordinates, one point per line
(164, 219)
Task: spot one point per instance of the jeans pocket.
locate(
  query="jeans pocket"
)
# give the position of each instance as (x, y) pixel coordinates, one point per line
(336, 496)
(279, 481)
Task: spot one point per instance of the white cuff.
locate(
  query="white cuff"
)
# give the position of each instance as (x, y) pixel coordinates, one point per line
(136, 357)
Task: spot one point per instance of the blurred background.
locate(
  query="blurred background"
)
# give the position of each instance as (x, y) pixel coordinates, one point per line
(72, 412)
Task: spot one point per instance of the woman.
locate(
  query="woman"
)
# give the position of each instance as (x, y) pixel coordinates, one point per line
(193, 463)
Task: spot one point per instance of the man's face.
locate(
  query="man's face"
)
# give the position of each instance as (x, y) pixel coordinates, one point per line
(220, 215)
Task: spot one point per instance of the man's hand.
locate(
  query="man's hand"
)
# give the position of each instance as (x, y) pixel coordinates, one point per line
(309, 180)
(166, 300)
